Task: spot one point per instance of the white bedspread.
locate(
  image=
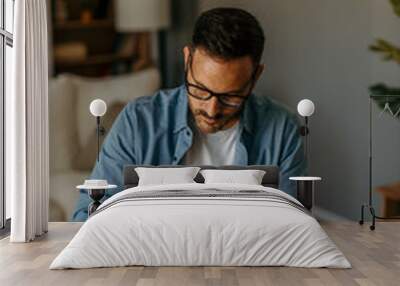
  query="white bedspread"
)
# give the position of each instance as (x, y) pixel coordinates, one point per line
(185, 231)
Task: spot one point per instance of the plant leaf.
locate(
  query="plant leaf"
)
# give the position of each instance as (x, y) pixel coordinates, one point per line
(396, 6)
(388, 51)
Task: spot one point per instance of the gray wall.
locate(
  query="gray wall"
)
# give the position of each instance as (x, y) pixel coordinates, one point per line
(317, 49)
(384, 24)
(183, 16)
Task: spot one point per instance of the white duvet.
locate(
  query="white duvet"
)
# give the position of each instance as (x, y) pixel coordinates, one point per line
(200, 231)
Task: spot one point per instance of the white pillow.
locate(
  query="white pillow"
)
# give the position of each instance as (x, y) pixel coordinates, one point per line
(163, 176)
(248, 177)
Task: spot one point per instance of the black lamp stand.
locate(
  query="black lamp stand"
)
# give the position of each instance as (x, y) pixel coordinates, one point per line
(305, 190)
(370, 206)
(100, 131)
(304, 131)
(96, 194)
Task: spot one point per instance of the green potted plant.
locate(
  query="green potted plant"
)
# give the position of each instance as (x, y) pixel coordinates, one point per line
(390, 52)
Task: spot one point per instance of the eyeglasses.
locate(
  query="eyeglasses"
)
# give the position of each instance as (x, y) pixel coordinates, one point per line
(226, 99)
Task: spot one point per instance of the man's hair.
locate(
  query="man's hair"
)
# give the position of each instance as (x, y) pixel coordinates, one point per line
(229, 33)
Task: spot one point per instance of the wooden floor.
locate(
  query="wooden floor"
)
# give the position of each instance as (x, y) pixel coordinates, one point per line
(375, 257)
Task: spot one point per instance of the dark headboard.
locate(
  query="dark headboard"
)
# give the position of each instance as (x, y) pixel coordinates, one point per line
(270, 179)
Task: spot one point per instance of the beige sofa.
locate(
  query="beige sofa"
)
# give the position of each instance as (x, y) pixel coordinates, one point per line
(73, 130)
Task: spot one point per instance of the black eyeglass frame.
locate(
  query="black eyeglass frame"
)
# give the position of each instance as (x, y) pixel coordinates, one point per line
(219, 96)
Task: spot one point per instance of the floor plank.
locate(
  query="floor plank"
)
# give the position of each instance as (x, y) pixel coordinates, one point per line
(375, 257)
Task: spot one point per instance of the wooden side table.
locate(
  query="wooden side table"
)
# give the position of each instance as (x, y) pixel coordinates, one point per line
(96, 190)
(391, 199)
(305, 190)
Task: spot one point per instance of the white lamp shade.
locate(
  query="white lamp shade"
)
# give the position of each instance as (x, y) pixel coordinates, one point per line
(306, 107)
(142, 15)
(98, 107)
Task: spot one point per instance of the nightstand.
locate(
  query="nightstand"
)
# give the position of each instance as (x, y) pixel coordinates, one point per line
(391, 199)
(96, 190)
(305, 190)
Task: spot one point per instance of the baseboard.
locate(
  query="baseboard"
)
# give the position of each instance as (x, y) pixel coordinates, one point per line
(325, 215)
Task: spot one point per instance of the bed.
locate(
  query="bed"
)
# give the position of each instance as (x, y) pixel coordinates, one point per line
(201, 224)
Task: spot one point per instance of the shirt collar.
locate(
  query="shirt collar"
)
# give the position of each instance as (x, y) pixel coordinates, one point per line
(246, 118)
(181, 110)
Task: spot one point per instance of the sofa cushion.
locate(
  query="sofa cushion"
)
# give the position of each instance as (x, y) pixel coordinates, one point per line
(116, 92)
(64, 194)
(62, 123)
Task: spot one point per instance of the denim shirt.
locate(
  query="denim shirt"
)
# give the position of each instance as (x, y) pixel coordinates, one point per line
(153, 130)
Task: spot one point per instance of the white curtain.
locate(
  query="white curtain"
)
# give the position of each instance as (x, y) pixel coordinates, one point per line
(27, 147)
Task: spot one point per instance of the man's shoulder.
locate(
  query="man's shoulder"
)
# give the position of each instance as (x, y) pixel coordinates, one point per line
(160, 99)
(157, 110)
(268, 109)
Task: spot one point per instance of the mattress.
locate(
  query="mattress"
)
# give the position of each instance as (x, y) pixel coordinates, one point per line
(201, 225)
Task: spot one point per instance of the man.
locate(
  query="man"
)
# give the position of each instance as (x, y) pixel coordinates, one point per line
(213, 118)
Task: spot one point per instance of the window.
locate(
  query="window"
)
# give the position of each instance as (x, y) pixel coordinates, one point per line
(6, 63)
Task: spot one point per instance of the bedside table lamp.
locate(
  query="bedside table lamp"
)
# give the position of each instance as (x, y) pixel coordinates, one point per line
(137, 18)
(98, 108)
(305, 108)
(142, 15)
(96, 189)
(305, 185)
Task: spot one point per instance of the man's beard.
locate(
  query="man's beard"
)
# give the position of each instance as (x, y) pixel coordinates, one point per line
(222, 119)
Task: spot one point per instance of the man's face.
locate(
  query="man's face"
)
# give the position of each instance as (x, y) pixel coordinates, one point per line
(232, 82)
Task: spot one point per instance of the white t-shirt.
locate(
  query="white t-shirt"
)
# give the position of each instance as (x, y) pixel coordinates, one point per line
(212, 149)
